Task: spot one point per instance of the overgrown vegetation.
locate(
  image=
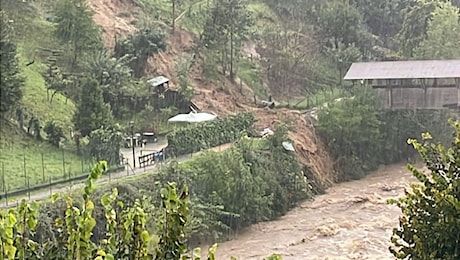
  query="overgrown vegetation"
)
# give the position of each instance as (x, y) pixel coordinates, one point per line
(255, 180)
(11, 80)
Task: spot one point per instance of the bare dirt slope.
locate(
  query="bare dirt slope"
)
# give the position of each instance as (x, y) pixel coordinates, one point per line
(222, 98)
(115, 17)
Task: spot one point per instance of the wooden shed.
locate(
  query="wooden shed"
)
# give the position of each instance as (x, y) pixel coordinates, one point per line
(424, 84)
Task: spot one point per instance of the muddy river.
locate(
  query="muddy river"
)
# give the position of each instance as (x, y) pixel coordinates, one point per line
(351, 221)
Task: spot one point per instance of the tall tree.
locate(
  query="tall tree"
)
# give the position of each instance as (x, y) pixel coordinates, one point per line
(225, 30)
(91, 112)
(76, 28)
(414, 27)
(289, 56)
(443, 34)
(340, 21)
(11, 82)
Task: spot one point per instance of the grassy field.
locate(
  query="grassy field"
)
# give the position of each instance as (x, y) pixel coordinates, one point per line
(18, 150)
(35, 99)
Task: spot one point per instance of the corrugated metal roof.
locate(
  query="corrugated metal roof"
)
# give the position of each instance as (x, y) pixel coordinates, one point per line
(158, 81)
(416, 69)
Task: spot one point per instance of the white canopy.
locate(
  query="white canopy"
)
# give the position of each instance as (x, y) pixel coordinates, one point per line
(192, 117)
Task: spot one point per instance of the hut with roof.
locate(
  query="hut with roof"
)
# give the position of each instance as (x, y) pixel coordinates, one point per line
(416, 84)
(163, 96)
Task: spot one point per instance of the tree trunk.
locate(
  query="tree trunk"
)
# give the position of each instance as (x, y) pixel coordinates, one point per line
(232, 76)
(173, 16)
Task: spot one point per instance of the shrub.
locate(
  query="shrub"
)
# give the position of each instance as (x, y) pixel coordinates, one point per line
(430, 225)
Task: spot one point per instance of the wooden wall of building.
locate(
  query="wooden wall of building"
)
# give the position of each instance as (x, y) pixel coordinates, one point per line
(410, 98)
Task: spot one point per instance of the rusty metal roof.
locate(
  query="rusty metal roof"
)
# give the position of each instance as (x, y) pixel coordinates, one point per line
(416, 69)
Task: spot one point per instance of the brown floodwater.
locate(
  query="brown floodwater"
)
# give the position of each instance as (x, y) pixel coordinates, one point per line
(351, 221)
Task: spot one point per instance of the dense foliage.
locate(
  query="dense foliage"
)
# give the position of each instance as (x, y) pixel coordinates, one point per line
(351, 128)
(140, 46)
(91, 112)
(227, 26)
(253, 181)
(430, 225)
(76, 29)
(11, 81)
(209, 134)
(105, 143)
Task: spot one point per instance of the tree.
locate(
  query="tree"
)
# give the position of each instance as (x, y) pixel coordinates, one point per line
(76, 28)
(343, 56)
(414, 27)
(115, 78)
(91, 112)
(11, 82)
(443, 34)
(384, 18)
(430, 225)
(182, 68)
(225, 30)
(339, 21)
(140, 46)
(289, 56)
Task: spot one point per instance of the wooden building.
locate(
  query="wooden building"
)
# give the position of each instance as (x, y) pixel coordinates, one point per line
(424, 84)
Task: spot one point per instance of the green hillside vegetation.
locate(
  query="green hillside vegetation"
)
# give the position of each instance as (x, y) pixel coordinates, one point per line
(305, 47)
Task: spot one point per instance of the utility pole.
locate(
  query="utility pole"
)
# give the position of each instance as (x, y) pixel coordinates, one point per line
(131, 125)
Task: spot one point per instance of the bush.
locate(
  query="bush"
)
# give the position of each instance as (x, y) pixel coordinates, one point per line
(105, 143)
(430, 226)
(54, 133)
(210, 134)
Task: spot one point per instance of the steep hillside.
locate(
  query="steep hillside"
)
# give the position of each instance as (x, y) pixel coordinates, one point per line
(218, 96)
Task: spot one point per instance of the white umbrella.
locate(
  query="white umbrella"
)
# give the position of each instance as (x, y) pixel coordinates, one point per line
(192, 117)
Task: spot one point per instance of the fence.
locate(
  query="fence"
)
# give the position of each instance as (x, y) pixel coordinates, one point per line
(27, 191)
(62, 175)
(21, 171)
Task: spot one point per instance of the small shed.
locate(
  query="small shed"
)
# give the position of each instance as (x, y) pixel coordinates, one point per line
(158, 84)
(427, 84)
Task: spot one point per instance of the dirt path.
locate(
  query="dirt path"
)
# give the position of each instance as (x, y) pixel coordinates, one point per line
(351, 221)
